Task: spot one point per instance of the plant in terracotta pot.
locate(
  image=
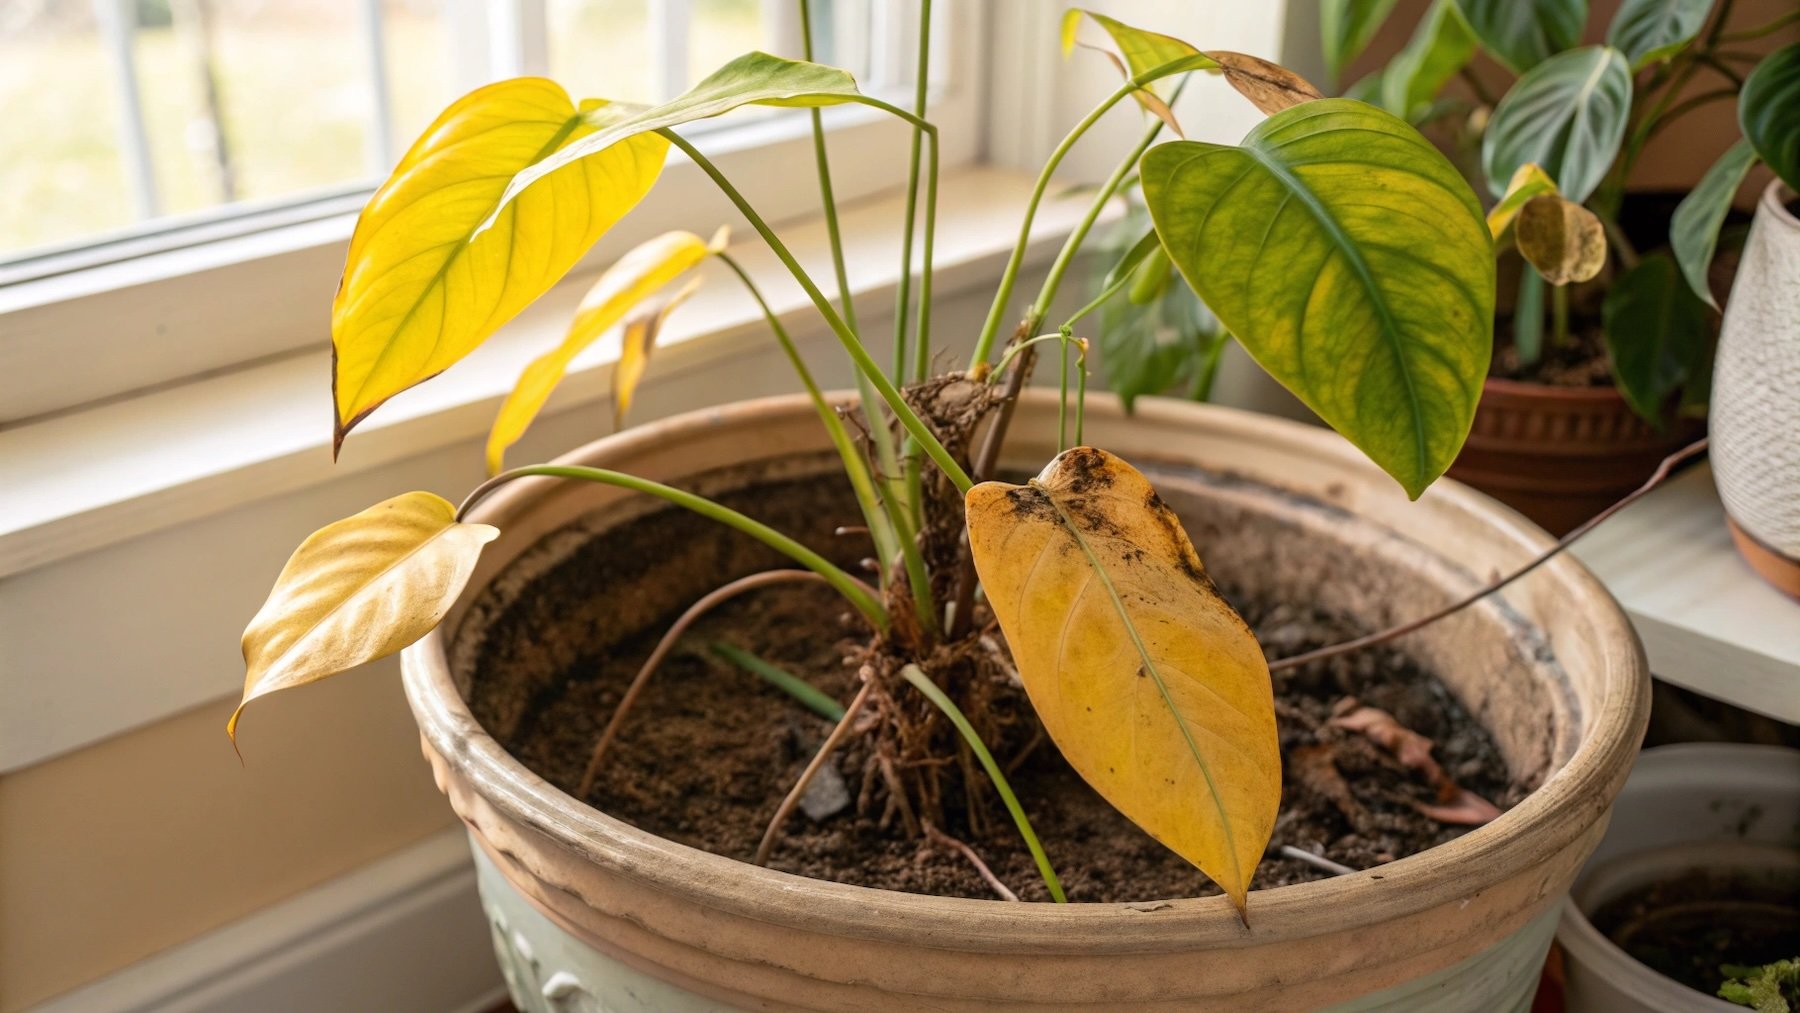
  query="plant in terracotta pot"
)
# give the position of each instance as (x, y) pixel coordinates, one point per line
(1604, 354)
(902, 670)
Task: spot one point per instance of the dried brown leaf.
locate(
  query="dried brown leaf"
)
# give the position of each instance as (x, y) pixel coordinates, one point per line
(1269, 86)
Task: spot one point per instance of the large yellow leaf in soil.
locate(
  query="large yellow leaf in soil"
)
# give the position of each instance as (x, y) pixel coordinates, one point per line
(359, 589)
(426, 282)
(1152, 687)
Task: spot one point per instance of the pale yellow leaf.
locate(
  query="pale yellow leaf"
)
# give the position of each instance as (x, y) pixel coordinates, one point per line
(635, 346)
(1152, 687)
(359, 589)
(1527, 181)
(635, 277)
(425, 282)
(1562, 239)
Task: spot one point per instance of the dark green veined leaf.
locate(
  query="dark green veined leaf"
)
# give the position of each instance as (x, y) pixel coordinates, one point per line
(1524, 33)
(1655, 331)
(1568, 115)
(1440, 46)
(1351, 260)
(1769, 112)
(1694, 230)
(1345, 28)
(1648, 30)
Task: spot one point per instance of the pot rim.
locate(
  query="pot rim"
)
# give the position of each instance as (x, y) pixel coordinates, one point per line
(1564, 807)
(1585, 396)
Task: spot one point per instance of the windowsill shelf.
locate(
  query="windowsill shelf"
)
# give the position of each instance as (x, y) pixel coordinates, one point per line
(1708, 622)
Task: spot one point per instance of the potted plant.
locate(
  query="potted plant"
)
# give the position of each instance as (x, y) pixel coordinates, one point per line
(947, 688)
(1604, 353)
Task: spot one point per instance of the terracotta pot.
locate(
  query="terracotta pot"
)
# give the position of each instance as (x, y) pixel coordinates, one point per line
(1756, 396)
(1560, 455)
(589, 912)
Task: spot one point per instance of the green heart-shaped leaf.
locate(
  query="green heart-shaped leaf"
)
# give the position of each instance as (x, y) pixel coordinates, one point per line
(1648, 30)
(1769, 112)
(1567, 115)
(1525, 33)
(1352, 261)
(1694, 229)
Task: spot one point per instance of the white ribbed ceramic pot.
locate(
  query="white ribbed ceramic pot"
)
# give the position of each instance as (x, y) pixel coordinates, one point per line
(590, 913)
(1755, 411)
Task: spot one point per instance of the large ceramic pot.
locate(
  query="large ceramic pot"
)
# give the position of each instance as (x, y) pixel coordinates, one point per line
(591, 913)
(1560, 455)
(1756, 395)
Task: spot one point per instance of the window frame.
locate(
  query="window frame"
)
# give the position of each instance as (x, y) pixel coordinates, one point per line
(179, 299)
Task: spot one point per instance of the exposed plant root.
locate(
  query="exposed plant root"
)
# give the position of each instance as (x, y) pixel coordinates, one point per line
(938, 837)
(706, 604)
(1316, 861)
(832, 741)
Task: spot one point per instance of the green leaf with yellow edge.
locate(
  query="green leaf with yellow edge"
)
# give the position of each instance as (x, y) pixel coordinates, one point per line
(426, 281)
(1142, 50)
(1562, 239)
(359, 589)
(635, 277)
(635, 346)
(1352, 262)
(1527, 181)
(1269, 86)
(1153, 688)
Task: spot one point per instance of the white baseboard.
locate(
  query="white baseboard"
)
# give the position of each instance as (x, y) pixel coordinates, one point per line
(404, 934)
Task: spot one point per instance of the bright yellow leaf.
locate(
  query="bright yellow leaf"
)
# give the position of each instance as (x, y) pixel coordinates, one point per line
(1149, 683)
(1527, 181)
(359, 589)
(635, 346)
(425, 282)
(634, 278)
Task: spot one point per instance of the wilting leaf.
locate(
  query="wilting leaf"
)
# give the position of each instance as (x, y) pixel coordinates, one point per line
(1655, 333)
(1567, 115)
(424, 283)
(1351, 261)
(357, 590)
(1454, 803)
(1562, 239)
(1152, 687)
(1648, 30)
(1524, 33)
(1440, 46)
(1528, 182)
(635, 346)
(635, 277)
(1270, 87)
(1141, 52)
(1345, 28)
(1769, 112)
(1694, 228)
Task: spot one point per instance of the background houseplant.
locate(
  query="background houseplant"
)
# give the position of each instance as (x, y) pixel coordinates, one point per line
(482, 215)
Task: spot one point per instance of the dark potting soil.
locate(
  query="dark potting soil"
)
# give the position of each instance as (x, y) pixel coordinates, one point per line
(1582, 362)
(710, 751)
(1687, 927)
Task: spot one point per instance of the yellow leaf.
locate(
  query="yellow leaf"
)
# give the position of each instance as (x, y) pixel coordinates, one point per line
(633, 278)
(425, 282)
(1149, 683)
(359, 589)
(1562, 239)
(635, 346)
(1527, 181)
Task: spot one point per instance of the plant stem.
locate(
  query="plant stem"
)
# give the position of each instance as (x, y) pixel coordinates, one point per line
(1559, 316)
(1761, 30)
(807, 694)
(903, 295)
(792, 799)
(985, 343)
(859, 594)
(1662, 472)
(912, 674)
(856, 468)
(858, 354)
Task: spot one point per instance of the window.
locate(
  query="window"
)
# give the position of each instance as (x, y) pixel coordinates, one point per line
(159, 153)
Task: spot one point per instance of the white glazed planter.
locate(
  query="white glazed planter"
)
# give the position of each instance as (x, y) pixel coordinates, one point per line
(1755, 409)
(1700, 805)
(590, 913)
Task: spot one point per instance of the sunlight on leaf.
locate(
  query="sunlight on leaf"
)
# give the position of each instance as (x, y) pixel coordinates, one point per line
(425, 283)
(635, 277)
(1351, 261)
(1694, 228)
(1528, 181)
(1153, 688)
(635, 346)
(359, 589)
(1562, 239)
(1139, 51)
(1566, 115)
